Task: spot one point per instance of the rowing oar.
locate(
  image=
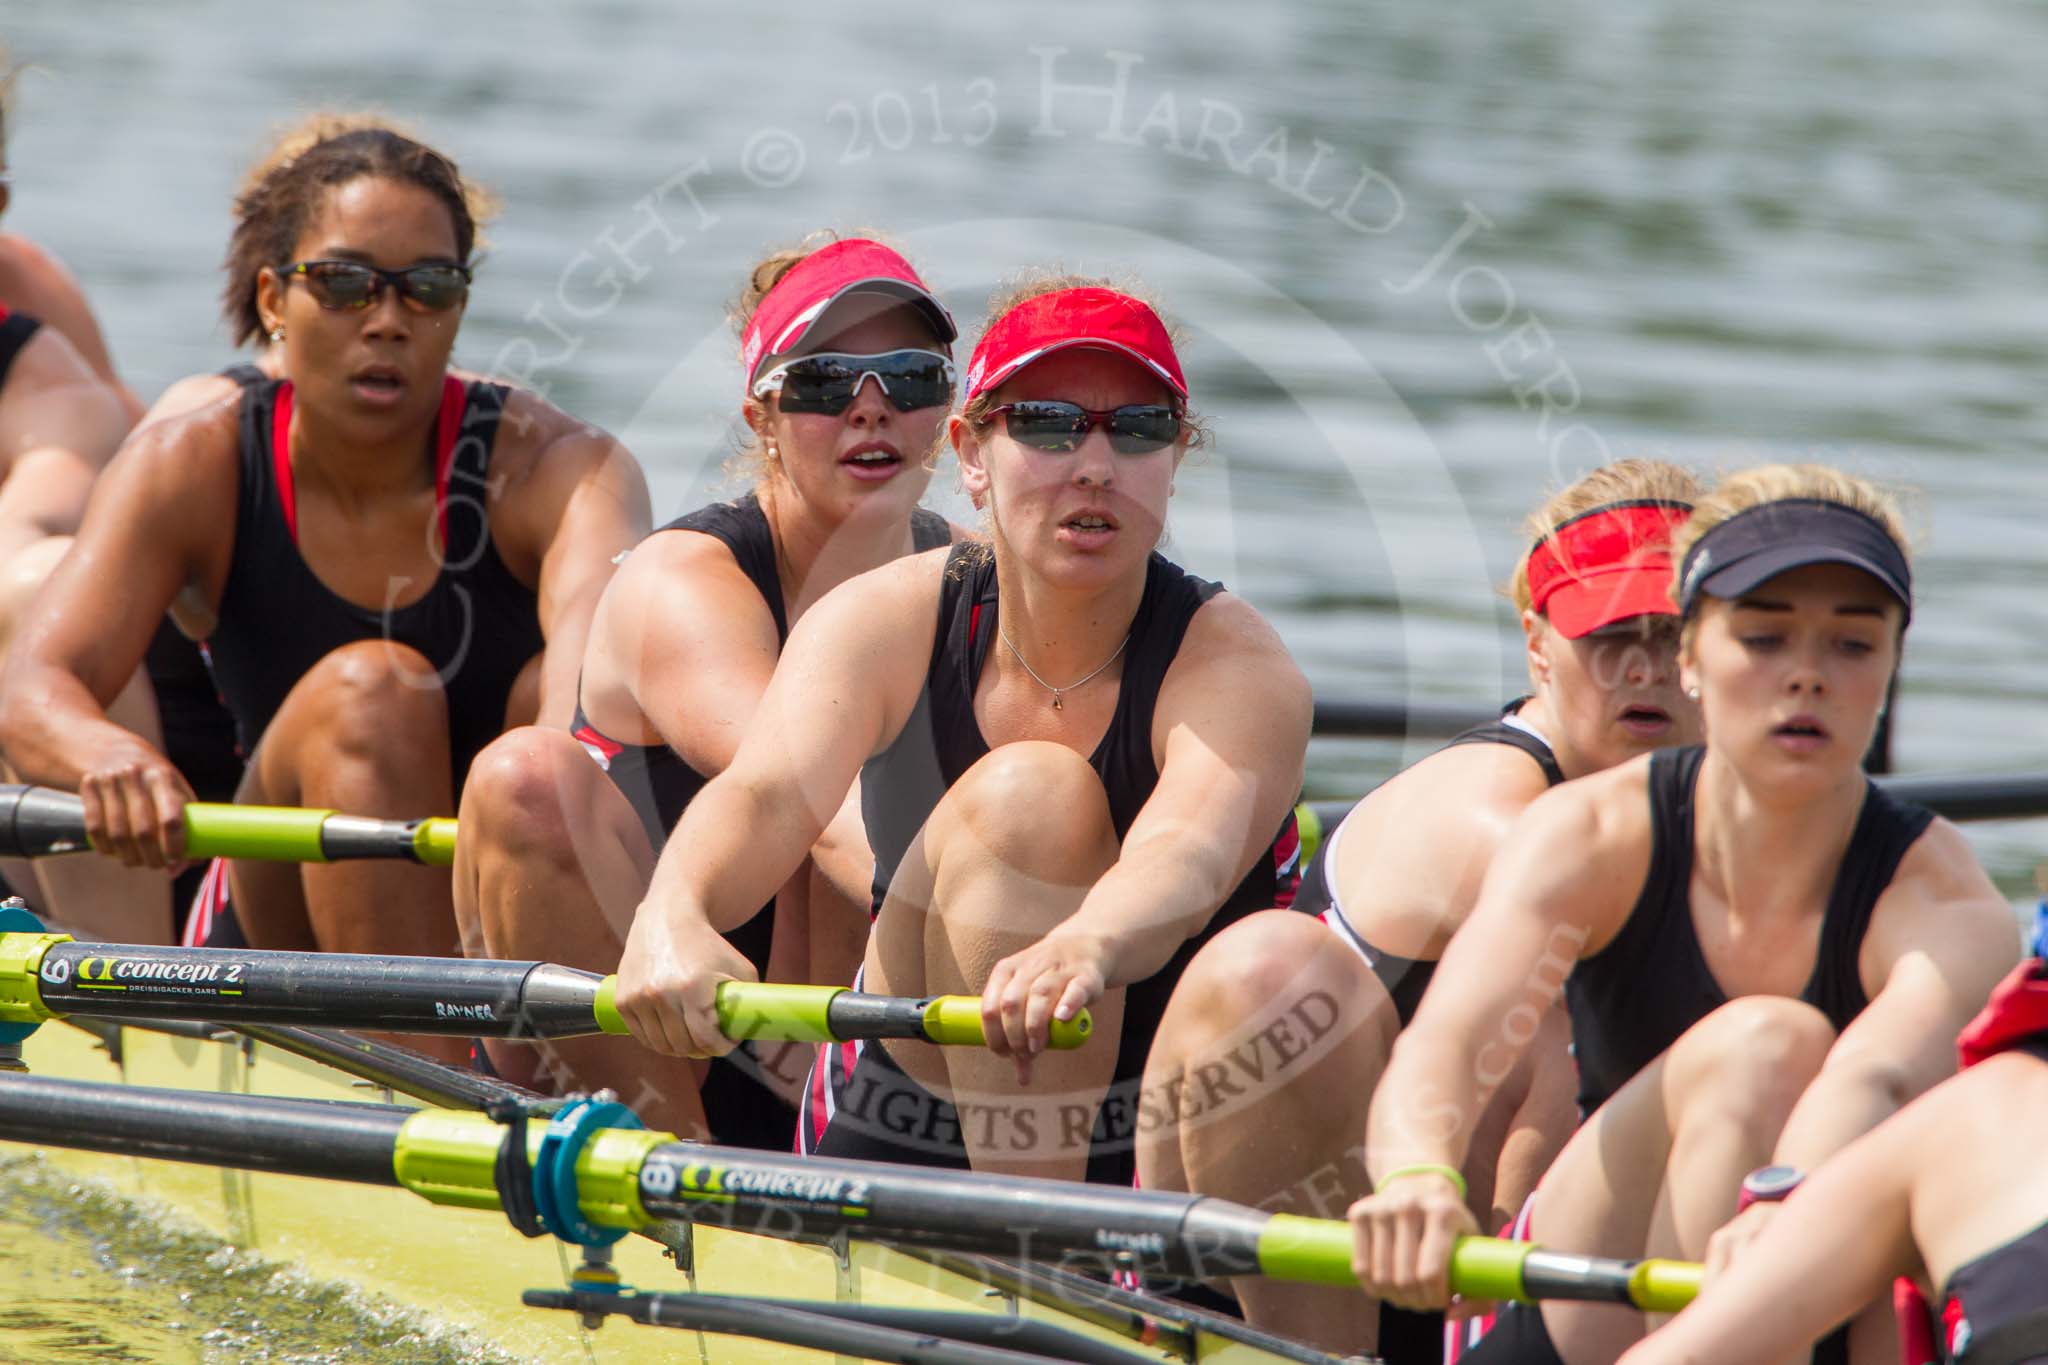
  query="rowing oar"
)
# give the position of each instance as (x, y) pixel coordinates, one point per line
(626, 1179)
(44, 975)
(36, 822)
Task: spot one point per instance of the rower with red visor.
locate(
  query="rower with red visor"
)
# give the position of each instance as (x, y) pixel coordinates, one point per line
(1393, 883)
(1076, 764)
(846, 381)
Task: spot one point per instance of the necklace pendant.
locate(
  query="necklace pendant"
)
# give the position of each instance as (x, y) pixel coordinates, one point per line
(1056, 701)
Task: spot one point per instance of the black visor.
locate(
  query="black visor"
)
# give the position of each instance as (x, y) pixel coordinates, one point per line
(1757, 545)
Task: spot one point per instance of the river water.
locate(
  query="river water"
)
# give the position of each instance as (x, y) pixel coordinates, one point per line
(1433, 260)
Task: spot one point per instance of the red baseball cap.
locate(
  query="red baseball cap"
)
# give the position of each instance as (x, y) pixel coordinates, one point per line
(1606, 565)
(1102, 318)
(854, 266)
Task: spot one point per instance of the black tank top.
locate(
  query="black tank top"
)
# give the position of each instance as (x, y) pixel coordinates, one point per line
(942, 740)
(1406, 978)
(1632, 999)
(15, 330)
(653, 777)
(477, 625)
(1996, 1307)
(199, 733)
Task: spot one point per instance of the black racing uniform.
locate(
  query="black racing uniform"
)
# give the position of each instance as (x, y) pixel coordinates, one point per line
(1407, 977)
(15, 331)
(1634, 998)
(657, 782)
(477, 626)
(899, 788)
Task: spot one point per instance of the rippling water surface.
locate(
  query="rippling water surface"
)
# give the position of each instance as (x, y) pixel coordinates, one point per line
(1434, 259)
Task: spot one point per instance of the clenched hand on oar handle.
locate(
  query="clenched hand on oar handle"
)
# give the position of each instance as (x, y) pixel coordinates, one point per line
(40, 822)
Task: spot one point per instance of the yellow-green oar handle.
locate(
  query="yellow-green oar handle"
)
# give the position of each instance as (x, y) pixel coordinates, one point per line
(778, 1011)
(293, 834)
(1491, 1269)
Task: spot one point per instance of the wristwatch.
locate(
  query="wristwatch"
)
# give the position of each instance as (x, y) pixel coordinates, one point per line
(1768, 1185)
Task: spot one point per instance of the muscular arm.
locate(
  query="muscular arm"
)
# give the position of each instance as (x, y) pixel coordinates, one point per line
(59, 425)
(145, 537)
(847, 680)
(1940, 938)
(680, 651)
(581, 503)
(1230, 729)
(1540, 910)
(36, 282)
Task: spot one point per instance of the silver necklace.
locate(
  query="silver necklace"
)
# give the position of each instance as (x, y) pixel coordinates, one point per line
(1057, 692)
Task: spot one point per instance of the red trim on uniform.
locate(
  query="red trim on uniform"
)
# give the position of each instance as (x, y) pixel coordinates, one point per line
(447, 425)
(1952, 1321)
(5, 311)
(281, 459)
(973, 624)
(589, 738)
(1287, 864)
(1916, 1324)
(207, 903)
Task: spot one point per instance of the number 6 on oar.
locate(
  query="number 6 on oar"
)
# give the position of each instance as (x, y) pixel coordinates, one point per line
(777, 1012)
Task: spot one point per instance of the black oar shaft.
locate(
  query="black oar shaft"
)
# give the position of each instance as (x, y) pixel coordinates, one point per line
(331, 1139)
(438, 995)
(1083, 1228)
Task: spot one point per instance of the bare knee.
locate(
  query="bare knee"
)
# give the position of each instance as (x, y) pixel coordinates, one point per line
(517, 796)
(1267, 965)
(1751, 1059)
(378, 699)
(1034, 801)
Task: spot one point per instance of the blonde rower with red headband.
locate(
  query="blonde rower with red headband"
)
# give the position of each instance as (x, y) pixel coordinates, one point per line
(1263, 1113)
(1075, 761)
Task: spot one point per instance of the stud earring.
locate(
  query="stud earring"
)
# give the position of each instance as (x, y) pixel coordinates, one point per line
(1692, 694)
(277, 334)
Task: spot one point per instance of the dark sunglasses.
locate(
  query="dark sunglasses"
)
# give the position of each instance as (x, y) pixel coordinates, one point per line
(826, 382)
(350, 284)
(1049, 424)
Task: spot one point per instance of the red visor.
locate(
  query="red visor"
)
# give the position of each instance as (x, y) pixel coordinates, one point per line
(820, 280)
(1073, 317)
(1606, 565)
(2017, 1010)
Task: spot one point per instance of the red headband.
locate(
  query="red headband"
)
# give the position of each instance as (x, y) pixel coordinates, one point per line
(1606, 565)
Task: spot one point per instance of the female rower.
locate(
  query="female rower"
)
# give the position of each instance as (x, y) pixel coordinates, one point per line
(62, 416)
(1950, 1191)
(1264, 1125)
(849, 375)
(404, 544)
(1073, 759)
(1762, 953)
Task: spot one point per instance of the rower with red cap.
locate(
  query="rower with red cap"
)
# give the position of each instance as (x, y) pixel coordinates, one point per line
(1075, 762)
(1949, 1192)
(1394, 881)
(401, 549)
(848, 378)
(1763, 955)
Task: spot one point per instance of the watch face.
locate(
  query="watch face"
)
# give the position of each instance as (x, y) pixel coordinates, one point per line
(1772, 1182)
